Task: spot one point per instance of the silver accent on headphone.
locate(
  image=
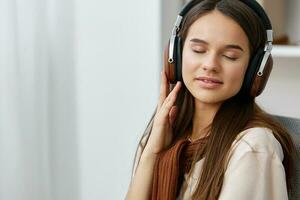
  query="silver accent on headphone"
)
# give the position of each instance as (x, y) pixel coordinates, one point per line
(270, 35)
(170, 60)
(171, 48)
(178, 21)
(263, 63)
(172, 39)
(268, 49)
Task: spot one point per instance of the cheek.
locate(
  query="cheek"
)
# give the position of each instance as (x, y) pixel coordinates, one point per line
(189, 63)
(237, 77)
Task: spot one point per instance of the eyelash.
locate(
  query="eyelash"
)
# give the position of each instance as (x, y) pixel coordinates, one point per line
(198, 51)
(233, 59)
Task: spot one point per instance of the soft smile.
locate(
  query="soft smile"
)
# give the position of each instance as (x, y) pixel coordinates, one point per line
(208, 82)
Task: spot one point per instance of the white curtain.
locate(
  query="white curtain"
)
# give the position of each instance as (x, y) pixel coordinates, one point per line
(38, 159)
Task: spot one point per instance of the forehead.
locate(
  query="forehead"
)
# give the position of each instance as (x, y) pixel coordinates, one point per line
(218, 29)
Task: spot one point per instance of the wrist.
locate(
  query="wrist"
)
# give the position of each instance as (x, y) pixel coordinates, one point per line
(148, 155)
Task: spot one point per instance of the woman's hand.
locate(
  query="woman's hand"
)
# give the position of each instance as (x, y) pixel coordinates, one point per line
(160, 137)
(161, 134)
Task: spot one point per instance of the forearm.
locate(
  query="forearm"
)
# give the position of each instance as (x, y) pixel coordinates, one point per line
(141, 184)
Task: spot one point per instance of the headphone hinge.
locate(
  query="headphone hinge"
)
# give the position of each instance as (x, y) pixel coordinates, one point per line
(270, 35)
(269, 47)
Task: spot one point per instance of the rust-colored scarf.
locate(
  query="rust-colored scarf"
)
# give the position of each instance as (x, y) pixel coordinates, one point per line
(170, 167)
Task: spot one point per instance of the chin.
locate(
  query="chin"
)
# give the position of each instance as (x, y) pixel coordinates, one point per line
(211, 97)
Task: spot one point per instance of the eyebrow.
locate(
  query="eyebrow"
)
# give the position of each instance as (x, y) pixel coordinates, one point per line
(228, 46)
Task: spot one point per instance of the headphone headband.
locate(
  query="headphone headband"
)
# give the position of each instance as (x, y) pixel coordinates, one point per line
(253, 4)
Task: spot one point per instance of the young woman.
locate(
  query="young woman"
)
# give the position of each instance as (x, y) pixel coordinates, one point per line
(208, 139)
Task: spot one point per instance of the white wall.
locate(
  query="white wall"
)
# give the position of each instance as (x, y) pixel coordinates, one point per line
(117, 66)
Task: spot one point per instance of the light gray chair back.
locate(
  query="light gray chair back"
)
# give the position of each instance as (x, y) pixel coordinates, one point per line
(293, 126)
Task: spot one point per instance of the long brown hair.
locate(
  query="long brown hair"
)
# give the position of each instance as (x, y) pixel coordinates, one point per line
(224, 128)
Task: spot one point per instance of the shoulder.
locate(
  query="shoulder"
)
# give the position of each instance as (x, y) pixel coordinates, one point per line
(258, 140)
(255, 169)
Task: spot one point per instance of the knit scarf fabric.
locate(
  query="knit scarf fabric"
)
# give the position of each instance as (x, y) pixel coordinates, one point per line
(170, 167)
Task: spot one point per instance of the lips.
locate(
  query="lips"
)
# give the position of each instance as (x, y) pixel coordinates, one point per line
(209, 80)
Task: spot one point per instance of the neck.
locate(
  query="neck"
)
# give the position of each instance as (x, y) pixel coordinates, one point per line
(203, 117)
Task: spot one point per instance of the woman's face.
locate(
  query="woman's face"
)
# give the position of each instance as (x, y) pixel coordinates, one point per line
(215, 58)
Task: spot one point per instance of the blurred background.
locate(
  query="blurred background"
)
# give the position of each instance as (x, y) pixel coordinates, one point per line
(79, 81)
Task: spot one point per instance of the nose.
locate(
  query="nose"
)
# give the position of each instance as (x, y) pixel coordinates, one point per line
(211, 63)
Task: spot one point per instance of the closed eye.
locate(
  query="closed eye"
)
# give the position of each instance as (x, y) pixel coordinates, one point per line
(198, 51)
(230, 58)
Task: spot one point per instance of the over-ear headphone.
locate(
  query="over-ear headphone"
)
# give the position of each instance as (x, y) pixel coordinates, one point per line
(258, 70)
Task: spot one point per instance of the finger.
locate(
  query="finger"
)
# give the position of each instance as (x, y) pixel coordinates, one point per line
(164, 89)
(173, 114)
(170, 100)
(177, 87)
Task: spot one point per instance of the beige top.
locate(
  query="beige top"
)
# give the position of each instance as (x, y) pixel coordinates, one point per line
(255, 170)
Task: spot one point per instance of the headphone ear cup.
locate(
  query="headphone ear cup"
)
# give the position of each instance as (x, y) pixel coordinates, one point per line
(173, 70)
(251, 71)
(169, 68)
(260, 82)
(253, 84)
